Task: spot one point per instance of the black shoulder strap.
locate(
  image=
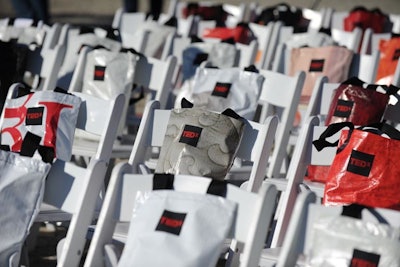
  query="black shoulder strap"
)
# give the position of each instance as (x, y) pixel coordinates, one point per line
(218, 188)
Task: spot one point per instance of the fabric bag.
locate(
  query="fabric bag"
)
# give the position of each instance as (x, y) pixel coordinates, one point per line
(364, 18)
(22, 181)
(389, 57)
(221, 55)
(240, 34)
(330, 61)
(218, 89)
(353, 242)
(364, 170)
(358, 102)
(51, 115)
(200, 142)
(182, 229)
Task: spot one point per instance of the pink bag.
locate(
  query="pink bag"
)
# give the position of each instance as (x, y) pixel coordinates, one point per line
(331, 61)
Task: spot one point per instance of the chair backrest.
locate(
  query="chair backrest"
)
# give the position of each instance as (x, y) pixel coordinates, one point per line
(365, 67)
(263, 34)
(247, 53)
(254, 147)
(127, 20)
(72, 190)
(282, 102)
(280, 34)
(337, 19)
(251, 223)
(306, 212)
(351, 40)
(370, 41)
(304, 154)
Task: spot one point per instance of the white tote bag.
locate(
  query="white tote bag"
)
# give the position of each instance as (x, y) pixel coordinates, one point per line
(51, 115)
(181, 229)
(219, 89)
(22, 182)
(342, 241)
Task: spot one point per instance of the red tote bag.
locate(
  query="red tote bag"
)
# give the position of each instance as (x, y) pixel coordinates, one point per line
(389, 56)
(358, 102)
(365, 169)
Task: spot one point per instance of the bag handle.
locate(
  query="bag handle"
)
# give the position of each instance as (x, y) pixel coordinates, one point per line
(166, 181)
(355, 211)
(382, 128)
(332, 129)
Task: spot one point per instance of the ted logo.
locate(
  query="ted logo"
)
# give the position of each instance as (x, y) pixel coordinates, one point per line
(396, 55)
(221, 89)
(190, 135)
(171, 222)
(34, 116)
(343, 108)
(364, 259)
(99, 73)
(317, 65)
(360, 163)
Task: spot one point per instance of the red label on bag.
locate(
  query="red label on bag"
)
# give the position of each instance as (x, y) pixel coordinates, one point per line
(171, 222)
(317, 65)
(343, 108)
(364, 259)
(190, 135)
(221, 89)
(34, 116)
(360, 163)
(396, 54)
(99, 73)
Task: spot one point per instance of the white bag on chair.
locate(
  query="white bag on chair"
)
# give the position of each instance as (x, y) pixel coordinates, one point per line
(219, 89)
(181, 229)
(22, 182)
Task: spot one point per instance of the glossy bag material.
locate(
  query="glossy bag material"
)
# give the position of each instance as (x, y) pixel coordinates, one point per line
(22, 181)
(365, 170)
(358, 102)
(330, 61)
(343, 241)
(50, 115)
(240, 34)
(175, 228)
(200, 142)
(219, 89)
(389, 57)
(364, 18)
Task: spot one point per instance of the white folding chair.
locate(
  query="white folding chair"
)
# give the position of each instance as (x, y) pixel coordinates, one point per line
(71, 191)
(263, 34)
(247, 53)
(370, 41)
(351, 40)
(297, 243)
(280, 95)
(251, 224)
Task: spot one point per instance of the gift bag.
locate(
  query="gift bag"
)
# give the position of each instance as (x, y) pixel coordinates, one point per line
(359, 103)
(389, 57)
(219, 89)
(240, 34)
(330, 61)
(51, 115)
(200, 142)
(173, 228)
(343, 241)
(365, 170)
(22, 182)
(363, 18)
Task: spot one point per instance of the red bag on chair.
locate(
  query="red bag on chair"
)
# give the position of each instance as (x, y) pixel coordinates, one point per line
(240, 34)
(365, 170)
(389, 57)
(364, 18)
(359, 103)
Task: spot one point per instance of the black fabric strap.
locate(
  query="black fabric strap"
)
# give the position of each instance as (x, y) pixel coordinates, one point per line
(30, 144)
(332, 129)
(218, 188)
(163, 181)
(231, 113)
(186, 103)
